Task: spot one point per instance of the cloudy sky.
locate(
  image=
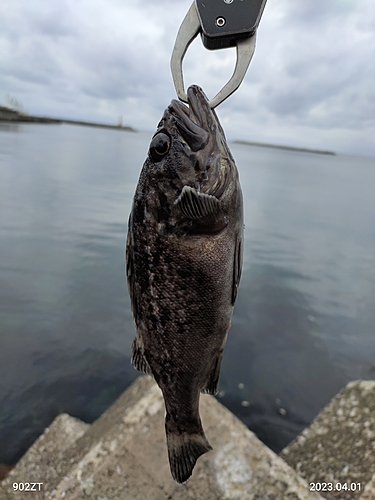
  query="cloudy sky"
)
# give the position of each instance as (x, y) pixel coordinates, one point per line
(311, 82)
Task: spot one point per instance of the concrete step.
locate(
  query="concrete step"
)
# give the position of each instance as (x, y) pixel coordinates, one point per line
(44, 462)
(123, 455)
(339, 446)
(369, 490)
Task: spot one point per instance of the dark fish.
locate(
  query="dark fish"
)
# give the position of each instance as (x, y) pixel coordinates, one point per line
(184, 257)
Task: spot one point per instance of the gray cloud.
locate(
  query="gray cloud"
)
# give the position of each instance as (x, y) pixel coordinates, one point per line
(311, 80)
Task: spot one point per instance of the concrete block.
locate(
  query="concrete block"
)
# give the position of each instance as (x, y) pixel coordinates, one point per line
(44, 461)
(369, 491)
(339, 446)
(123, 455)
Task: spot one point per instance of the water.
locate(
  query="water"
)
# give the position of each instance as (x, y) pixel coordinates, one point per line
(304, 320)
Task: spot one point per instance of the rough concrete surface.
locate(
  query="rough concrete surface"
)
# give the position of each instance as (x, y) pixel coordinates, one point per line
(123, 455)
(369, 491)
(339, 446)
(44, 461)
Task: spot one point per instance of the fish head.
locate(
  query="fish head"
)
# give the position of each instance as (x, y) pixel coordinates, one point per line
(190, 150)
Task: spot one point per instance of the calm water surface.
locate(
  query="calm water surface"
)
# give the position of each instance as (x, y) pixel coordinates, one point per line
(305, 316)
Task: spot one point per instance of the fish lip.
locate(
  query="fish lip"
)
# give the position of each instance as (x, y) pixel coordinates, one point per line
(200, 111)
(196, 123)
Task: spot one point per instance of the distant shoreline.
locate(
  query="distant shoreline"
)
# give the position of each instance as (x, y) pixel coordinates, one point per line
(288, 148)
(13, 116)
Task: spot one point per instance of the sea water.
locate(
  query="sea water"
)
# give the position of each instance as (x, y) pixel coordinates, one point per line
(304, 320)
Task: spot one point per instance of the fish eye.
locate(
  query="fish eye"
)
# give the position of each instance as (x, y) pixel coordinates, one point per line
(159, 146)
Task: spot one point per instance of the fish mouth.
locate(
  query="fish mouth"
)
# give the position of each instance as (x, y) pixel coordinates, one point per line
(199, 126)
(196, 122)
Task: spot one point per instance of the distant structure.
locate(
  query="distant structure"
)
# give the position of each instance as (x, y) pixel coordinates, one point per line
(12, 115)
(8, 114)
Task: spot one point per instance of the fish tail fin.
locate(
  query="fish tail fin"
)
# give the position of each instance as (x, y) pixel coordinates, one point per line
(184, 449)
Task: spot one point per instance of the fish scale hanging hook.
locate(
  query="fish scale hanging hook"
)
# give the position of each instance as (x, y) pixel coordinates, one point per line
(222, 24)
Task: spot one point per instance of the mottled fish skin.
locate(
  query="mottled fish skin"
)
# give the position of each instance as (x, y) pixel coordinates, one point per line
(184, 258)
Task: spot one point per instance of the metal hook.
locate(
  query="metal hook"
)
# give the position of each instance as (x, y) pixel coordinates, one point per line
(188, 31)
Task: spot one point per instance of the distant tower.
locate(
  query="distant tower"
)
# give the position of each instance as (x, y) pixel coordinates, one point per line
(120, 121)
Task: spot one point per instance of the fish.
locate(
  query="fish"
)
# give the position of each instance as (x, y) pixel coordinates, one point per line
(183, 262)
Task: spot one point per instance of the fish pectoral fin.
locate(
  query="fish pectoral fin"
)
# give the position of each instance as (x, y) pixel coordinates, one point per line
(212, 383)
(138, 357)
(196, 205)
(203, 209)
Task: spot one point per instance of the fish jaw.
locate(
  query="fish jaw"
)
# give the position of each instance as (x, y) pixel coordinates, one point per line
(200, 129)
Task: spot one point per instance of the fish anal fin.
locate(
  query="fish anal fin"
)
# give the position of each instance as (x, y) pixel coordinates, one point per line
(138, 357)
(183, 452)
(203, 209)
(212, 383)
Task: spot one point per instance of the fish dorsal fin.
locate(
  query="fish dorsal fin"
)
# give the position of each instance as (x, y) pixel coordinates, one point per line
(197, 205)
